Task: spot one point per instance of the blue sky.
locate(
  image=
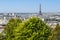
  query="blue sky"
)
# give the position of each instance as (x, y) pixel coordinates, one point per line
(29, 5)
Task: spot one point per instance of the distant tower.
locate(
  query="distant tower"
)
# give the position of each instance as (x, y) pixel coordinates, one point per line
(40, 10)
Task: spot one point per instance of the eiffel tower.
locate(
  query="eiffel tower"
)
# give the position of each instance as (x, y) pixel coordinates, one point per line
(40, 13)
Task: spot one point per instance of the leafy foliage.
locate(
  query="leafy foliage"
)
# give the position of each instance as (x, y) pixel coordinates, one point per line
(55, 35)
(10, 27)
(2, 37)
(32, 29)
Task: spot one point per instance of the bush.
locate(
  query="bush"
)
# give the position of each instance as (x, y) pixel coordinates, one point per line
(30, 29)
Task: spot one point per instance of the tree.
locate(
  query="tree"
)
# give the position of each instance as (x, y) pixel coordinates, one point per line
(32, 29)
(10, 27)
(55, 35)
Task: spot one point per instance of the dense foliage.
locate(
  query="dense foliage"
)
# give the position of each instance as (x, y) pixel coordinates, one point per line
(55, 35)
(10, 27)
(31, 29)
(2, 37)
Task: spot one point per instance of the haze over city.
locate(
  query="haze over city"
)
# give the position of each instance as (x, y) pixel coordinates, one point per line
(30, 6)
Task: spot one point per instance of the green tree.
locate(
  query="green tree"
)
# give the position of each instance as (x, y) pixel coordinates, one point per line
(10, 27)
(55, 35)
(32, 29)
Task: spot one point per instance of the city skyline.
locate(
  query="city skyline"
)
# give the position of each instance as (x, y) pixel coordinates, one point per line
(30, 6)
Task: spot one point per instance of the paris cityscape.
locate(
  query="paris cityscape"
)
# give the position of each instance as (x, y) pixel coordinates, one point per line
(38, 25)
(50, 18)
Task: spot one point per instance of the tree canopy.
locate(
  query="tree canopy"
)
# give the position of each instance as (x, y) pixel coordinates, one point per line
(10, 27)
(31, 29)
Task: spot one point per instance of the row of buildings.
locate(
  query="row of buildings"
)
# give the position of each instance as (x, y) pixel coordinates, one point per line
(49, 18)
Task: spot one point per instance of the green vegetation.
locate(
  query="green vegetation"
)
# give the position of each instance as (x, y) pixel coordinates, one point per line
(55, 34)
(2, 37)
(30, 29)
(10, 27)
